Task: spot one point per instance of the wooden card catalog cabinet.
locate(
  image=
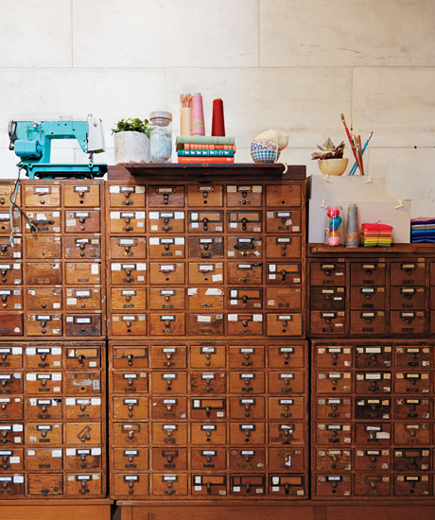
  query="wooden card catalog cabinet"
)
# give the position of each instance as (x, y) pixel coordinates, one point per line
(215, 380)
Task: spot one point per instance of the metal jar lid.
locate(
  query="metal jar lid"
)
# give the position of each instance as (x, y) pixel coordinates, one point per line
(159, 113)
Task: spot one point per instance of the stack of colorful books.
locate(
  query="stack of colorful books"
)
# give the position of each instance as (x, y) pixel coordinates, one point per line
(205, 149)
(379, 235)
(423, 230)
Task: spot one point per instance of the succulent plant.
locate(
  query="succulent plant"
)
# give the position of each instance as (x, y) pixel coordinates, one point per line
(133, 125)
(329, 151)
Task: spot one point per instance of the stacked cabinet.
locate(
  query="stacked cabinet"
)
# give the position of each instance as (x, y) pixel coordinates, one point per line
(372, 426)
(207, 362)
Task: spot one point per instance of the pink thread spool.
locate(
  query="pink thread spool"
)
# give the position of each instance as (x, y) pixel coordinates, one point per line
(198, 127)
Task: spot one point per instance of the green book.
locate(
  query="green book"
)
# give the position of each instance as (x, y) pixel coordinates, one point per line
(206, 153)
(203, 139)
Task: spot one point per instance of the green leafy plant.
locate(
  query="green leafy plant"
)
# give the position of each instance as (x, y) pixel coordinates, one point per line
(133, 125)
(329, 151)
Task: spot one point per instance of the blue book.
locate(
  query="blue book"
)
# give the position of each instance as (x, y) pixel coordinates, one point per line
(206, 153)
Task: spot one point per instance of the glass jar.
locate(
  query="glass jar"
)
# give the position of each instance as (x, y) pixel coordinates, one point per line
(161, 137)
(334, 225)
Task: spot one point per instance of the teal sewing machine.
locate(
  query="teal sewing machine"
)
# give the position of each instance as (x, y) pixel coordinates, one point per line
(31, 141)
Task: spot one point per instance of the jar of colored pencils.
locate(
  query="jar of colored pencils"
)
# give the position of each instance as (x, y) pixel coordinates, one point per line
(334, 235)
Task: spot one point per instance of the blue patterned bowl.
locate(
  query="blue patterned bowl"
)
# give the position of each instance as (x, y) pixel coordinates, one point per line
(263, 152)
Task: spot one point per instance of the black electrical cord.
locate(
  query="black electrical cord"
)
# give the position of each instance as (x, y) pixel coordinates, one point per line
(14, 204)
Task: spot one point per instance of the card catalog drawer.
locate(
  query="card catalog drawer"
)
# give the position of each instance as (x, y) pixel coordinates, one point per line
(245, 298)
(169, 434)
(281, 356)
(373, 434)
(81, 299)
(83, 221)
(329, 382)
(11, 460)
(205, 356)
(287, 432)
(166, 221)
(206, 194)
(44, 408)
(11, 356)
(129, 222)
(167, 324)
(83, 325)
(169, 382)
(206, 273)
(333, 485)
(128, 273)
(206, 221)
(367, 273)
(79, 459)
(372, 408)
(44, 298)
(130, 459)
(286, 458)
(82, 273)
(333, 273)
(333, 459)
(412, 485)
(82, 247)
(130, 434)
(415, 356)
(83, 408)
(208, 459)
(249, 248)
(43, 222)
(287, 408)
(42, 195)
(412, 434)
(166, 196)
(407, 322)
(328, 322)
(247, 433)
(169, 484)
(84, 485)
(283, 298)
(246, 356)
(130, 356)
(82, 195)
(11, 298)
(37, 433)
(38, 459)
(207, 382)
(412, 383)
(131, 485)
(245, 324)
(373, 356)
(83, 382)
(250, 273)
(82, 358)
(168, 356)
(12, 273)
(131, 248)
(247, 382)
(172, 299)
(283, 274)
(129, 324)
(130, 382)
(207, 433)
(11, 324)
(372, 460)
(43, 382)
(206, 248)
(249, 221)
(373, 382)
(283, 247)
(328, 298)
(368, 322)
(244, 195)
(166, 247)
(130, 408)
(167, 274)
(206, 324)
(10, 251)
(333, 408)
(247, 459)
(411, 408)
(284, 324)
(205, 298)
(11, 408)
(43, 247)
(126, 196)
(169, 408)
(252, 408)
(333, 356)
(338, 433)
(286, 382)
(411, 460)
(408, 273)
(283, 221)
(44, 325)
(11, 434)
(403, 298)
(367, 298)
(372, 485)
(12, 486)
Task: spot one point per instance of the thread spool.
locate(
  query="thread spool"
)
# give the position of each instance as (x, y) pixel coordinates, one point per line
(352, 234)
(218, 123)
(198, 127)
(185, 121)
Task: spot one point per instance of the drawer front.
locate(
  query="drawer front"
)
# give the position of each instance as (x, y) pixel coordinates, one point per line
(287, 432)
(330, 382)
(407, 356)
(167, 274)
(283, 195)
(367, 297)
(166, 196)
(207, 408)
(12, 299)
(82, 195)
(283, 298)
(5, 222)
(207, 433)
(209, 485)
(412, 434)
(207, 356)
(82, 358)
(6, 191)
(206, 221)
(244, 324)
(79, 459)
(81, 299)
(12, 273)
(284, 324)
(247, 382)
(12, 434)
(166, 247)
(37, 433)
(50, 484)
(44, 324)
(336, 408)
(243, 408)
(367, 273)
(283, 246)
(283, 274)
(11, 356)
(411, 408)
(83, 221)
(209, 273)
(208, 382)
(43, 247)
(247, 433)
(166, 221)
(367, 322)
(129, 324)
(130, 382)
(208, 459)
(10, 251)
(372, 484)
(11, 408)
(205, 195)
(286, 458)
(131, 459)
(333, 434)
(83, 408)
(42, 195)
(168, 299)
(168, 408)
(83, 325)
(245, 273)
(82, 247)
(12, 460)
(241, 357)
(127, 248)
(328, 298)
(167, 324)
(373, 356)
(287, 485)
(127, 357)
(127, 274)
(83, 433)
(201, 247)
(127, 222)
(206, 324)
(41, 383)
(248, 485)
(409, 460)
(407, 322)
(283, 221)
(288, 382)
(404, 298)
(169, 434)
(372, 460)
(37, 459)
(241, 221)
(334, 357)
(281, 356)
(11, 324)
(205, 298)
(328, 322)
(408, 273)
(169, 382)
(373, 383)
(244, 195)
(44, 299)
(130, 408)
(412, 485)
(331, 273)
(168, 484)
(249, 248)
(293, 408)
(412, 383)
(168, 356)
(82, 273)
(333, 460)
(44, 408)
(130, 434)
(84, 485)
(372, 408)
(125, 196)
(131, 485)
(44, 222)
(373, 434)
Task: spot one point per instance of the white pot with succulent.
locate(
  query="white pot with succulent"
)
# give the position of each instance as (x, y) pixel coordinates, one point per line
(132, 141)
(331, 160)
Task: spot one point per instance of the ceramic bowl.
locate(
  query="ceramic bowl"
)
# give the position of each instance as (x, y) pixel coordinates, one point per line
(263, 152)
(333, 166)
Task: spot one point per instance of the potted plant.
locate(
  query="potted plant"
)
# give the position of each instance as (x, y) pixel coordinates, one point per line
(132, 140)
(331, 160)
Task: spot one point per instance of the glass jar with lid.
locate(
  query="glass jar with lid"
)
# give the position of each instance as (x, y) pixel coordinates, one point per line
(161, 137)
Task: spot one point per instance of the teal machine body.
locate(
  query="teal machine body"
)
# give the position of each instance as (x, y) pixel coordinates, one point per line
(31, 142)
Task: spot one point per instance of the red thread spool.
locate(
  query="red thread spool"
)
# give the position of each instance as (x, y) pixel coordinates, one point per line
(218, 123)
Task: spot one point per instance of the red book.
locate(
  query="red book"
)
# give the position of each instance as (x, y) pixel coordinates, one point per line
(192, 146)
(202, 160)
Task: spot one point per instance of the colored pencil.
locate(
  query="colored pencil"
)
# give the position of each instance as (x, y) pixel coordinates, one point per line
(352, 144)
(355, 165)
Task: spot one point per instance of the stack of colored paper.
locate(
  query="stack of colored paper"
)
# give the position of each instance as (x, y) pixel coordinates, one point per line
(423, 230)
(379, 235)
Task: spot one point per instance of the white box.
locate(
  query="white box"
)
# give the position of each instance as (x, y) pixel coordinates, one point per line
(369, 211)
(346, 187)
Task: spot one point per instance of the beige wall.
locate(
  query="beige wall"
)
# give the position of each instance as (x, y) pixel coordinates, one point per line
(289, 64)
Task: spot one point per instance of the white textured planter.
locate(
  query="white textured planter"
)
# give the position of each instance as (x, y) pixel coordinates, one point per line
(132, 147)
